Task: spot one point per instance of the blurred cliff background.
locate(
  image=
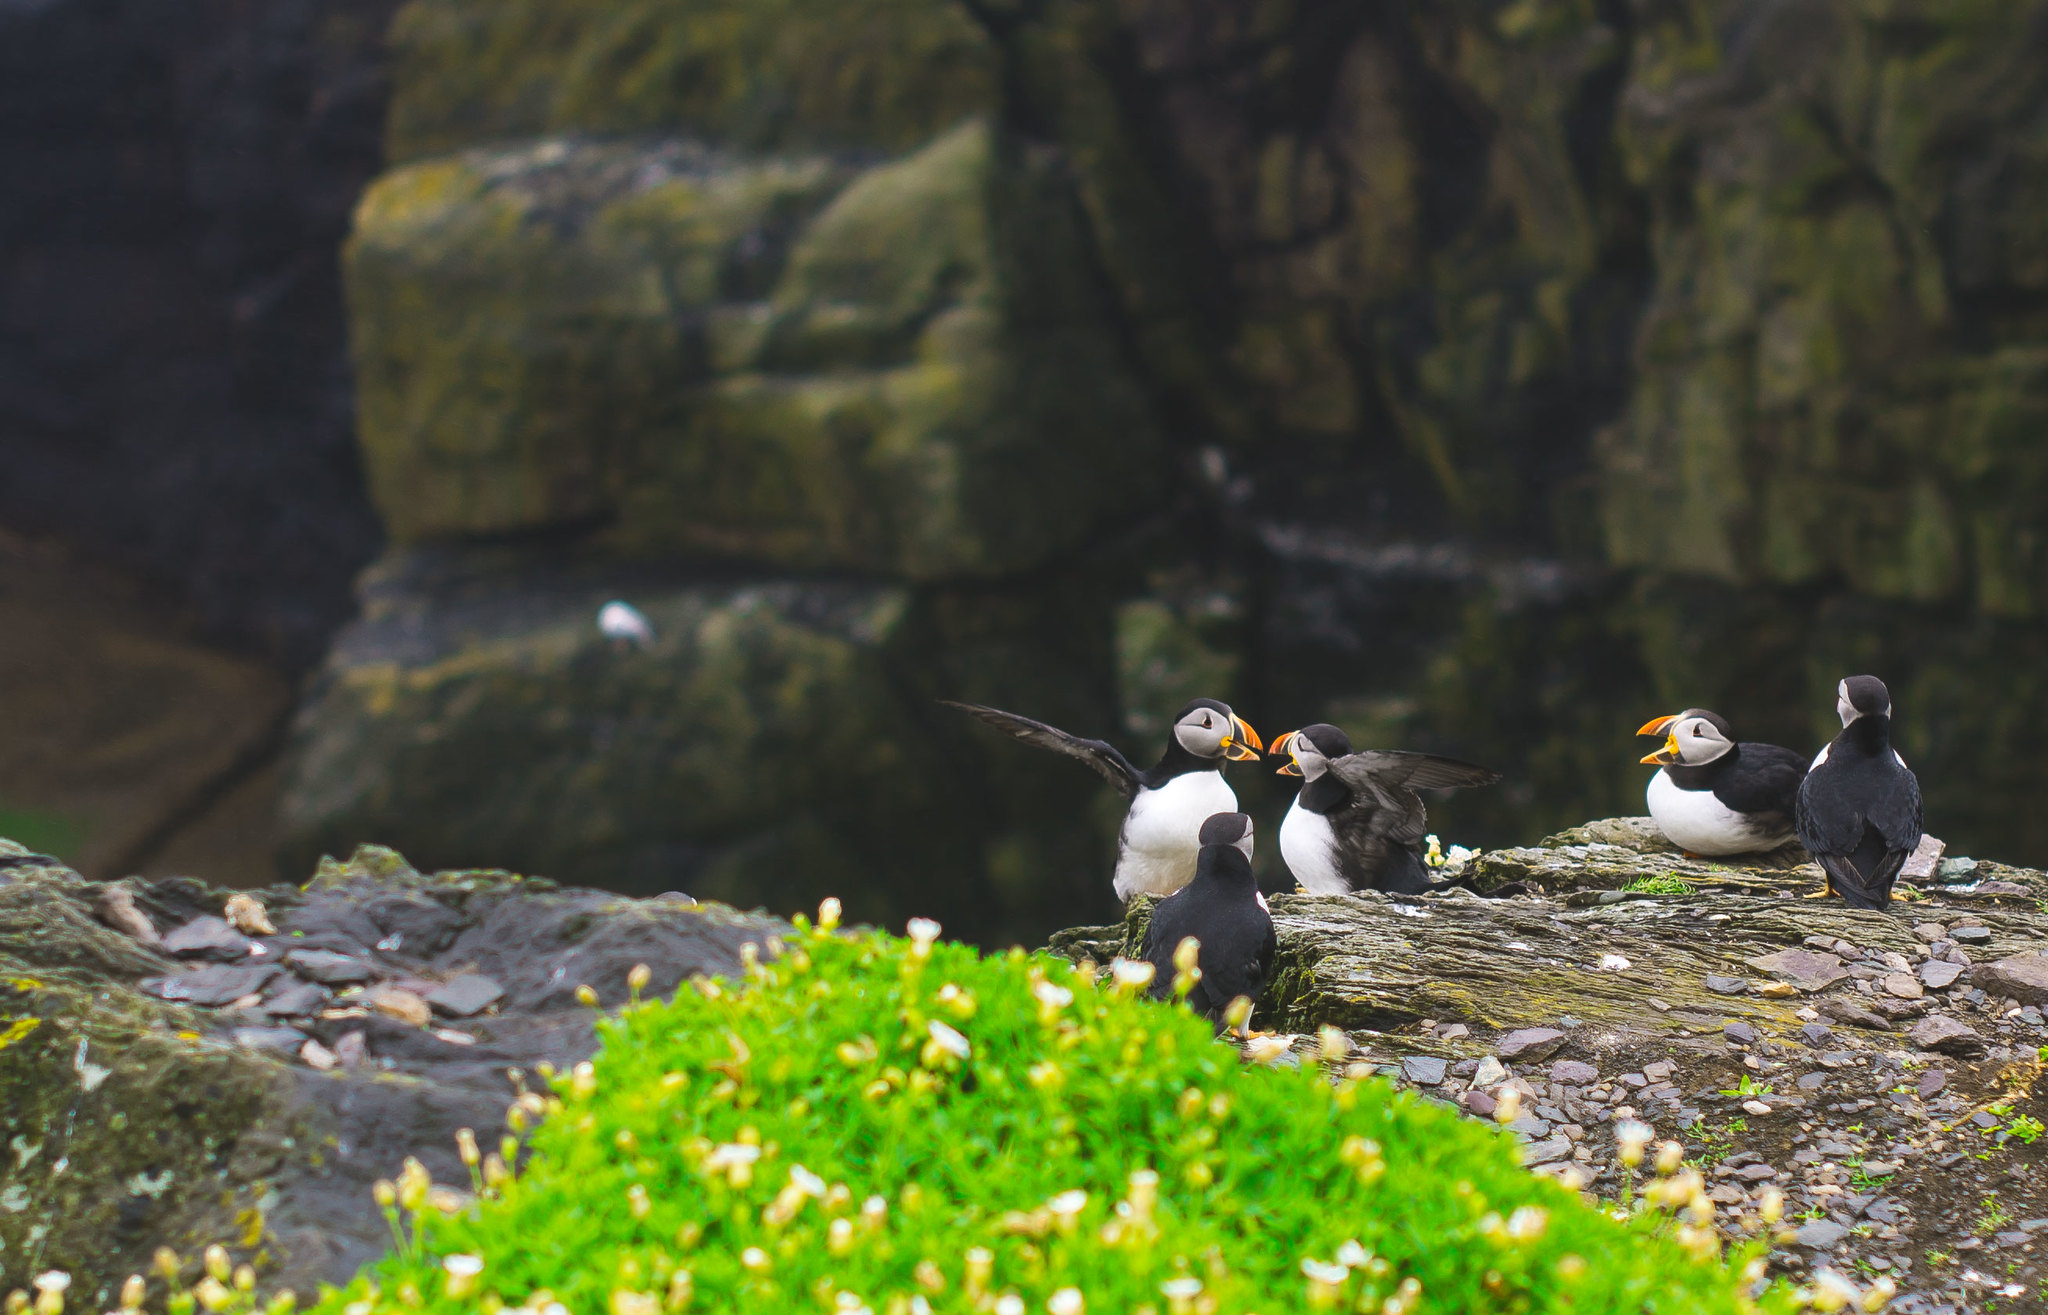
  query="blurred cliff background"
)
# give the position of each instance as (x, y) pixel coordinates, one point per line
(1484, 376)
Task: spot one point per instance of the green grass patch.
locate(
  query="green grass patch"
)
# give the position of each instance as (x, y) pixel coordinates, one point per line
(1665, 885)
(869, 1124)
(55, 834)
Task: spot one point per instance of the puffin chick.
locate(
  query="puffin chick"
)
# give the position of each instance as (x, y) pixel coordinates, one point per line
(1357, 823)
(1157, 846)
(1859, 806)
(1222, 910)
(1712, 796)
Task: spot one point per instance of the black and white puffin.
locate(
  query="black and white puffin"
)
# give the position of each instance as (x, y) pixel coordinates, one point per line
(1357, 823)
(1223, 910)
(1715, 797)
(1859, 807)
(1156, 850)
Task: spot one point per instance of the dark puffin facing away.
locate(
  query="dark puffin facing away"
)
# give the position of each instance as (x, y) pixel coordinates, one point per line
(1859, 807)
(1155, 851)
(1716, 797)
(1221, 908)
(1357, 823)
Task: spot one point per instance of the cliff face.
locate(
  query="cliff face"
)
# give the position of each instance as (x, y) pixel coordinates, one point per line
(174, 397)
(1132, 352)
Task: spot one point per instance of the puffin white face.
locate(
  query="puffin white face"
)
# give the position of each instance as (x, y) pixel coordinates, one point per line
(1215, 732)
(1244, 842)
(1862, 696)
(1692, 738)
(1308, 762)
(1697, 741)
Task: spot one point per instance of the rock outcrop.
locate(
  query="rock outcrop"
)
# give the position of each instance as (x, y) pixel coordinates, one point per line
(249, 1089)
(1878, 1069)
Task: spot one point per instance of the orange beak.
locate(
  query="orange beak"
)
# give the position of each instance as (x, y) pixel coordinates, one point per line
(1665, 756)
(1243, 745)
(1657, 725)
(1281, 745)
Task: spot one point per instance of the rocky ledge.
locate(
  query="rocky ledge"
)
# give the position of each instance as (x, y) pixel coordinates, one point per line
(1878, 1069)
(181, 1065)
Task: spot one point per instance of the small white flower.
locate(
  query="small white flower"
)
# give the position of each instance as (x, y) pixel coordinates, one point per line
(1352, 1255)
(1067, 1301)
(621, 622)
(1268, 1049)
(1134, 974)
(1320, 1271)
(923, 930)
(52, 1280)
(1052, 997)
(806, 1182)
(1009, 1304)
(1185, 1288)
(732, 1154)
(949, 1040)
(1068, 1203)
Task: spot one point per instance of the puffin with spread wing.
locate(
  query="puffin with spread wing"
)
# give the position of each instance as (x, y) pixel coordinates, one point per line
(1357, 823)
(1169, 802)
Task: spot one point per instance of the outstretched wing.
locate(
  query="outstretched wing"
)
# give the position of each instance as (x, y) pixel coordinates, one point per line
(1413, 771)
(1103, 759)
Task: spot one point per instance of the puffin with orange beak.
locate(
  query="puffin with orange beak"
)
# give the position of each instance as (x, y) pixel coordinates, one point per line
(1714, 797)
(1357, 823)
(1161, 837)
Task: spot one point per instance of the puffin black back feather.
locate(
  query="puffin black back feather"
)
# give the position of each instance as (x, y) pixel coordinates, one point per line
(1859, 808)
(1223, 910)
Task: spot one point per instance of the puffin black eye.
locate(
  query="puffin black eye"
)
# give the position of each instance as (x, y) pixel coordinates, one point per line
(1206, 723)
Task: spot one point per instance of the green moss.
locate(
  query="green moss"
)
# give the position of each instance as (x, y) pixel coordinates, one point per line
(870, 1126)
(759, 73)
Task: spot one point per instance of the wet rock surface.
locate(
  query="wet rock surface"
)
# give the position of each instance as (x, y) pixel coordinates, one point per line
(259, 1099)
(1904, 1134)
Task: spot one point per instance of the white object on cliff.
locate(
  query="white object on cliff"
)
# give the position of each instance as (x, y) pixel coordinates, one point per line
(623, 624)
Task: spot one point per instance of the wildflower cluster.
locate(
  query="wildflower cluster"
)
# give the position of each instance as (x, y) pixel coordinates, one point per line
(868, 1125)
(1675, 1203)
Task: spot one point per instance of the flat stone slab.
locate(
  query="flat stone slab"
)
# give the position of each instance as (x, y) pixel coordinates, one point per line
(470, 994)
(295, 999)
(1424, 1070)
(1720, 985)
(2024, 977)
(1821, 1234)
(1938, 974)
(1804, 969)
(207, 938)
(1573, 1073)
(1530, 1043)
(329, 968)
(1946, 1035)
(212, 986)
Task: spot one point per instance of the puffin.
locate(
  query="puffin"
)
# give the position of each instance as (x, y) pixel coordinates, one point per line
(1712, 796)
(1859, 806)
(1225, 913)
(1160, 840)
(1357, 823)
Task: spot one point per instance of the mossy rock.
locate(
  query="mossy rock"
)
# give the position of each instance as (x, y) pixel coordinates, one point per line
(779, 741)
(773, 360)
(1835, 379)
(135, 1123)
(756, 73)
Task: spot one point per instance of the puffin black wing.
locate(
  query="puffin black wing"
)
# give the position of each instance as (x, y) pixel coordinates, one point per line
(1102, 758)
(1861, 851)
(1415, 771)
(1766, 780)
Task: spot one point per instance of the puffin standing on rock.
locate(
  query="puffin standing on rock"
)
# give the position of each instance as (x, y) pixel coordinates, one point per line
(1157, 848)
(1715, 797)
(1223, 912)
(1357, 823)
(1859, 807)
